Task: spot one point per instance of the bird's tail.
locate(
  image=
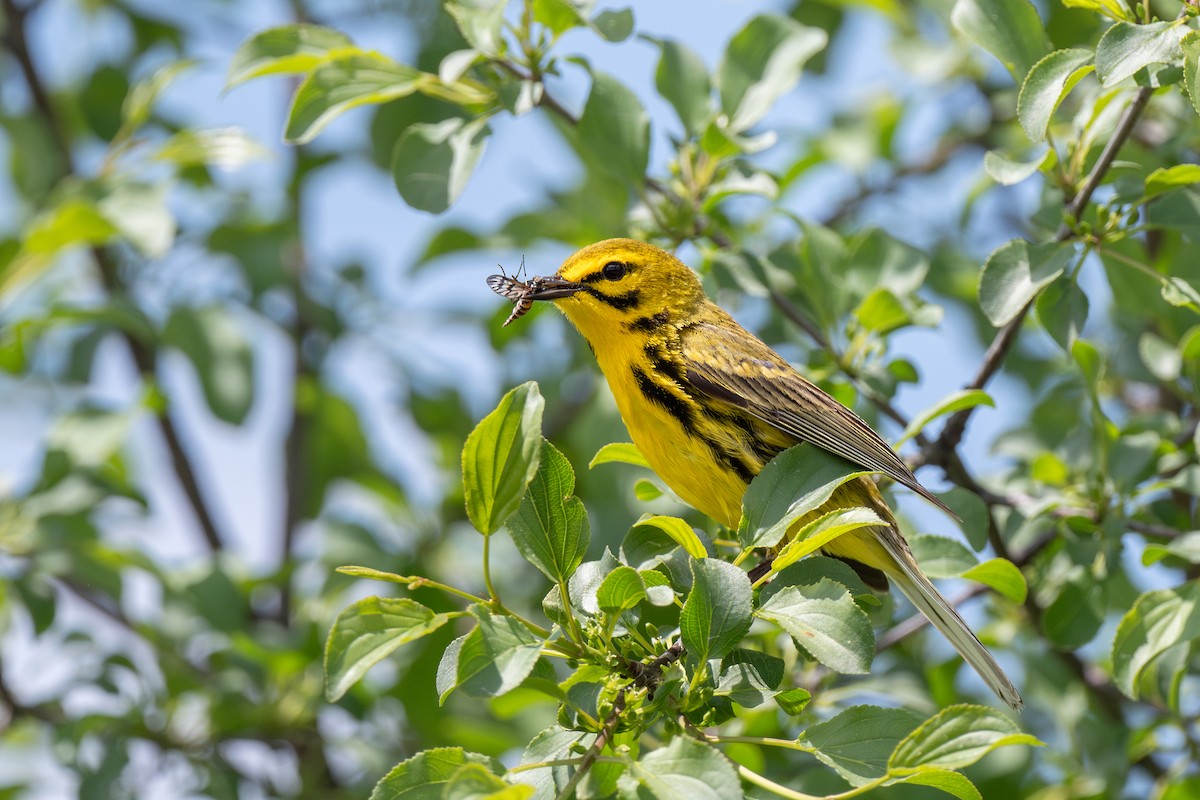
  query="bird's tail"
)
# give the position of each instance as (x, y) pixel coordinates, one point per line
(924, 595)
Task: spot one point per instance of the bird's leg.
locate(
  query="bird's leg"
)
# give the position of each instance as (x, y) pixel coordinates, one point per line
(762, 568)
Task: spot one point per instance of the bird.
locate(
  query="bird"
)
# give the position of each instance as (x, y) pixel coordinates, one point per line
(709, 404)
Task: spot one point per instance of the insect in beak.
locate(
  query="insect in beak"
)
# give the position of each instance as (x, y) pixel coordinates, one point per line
(523, 293)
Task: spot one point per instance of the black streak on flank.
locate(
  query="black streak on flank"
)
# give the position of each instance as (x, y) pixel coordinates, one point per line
(661, 363)
(648, 324)
(663, 397)
(621, 302)
(684, 413)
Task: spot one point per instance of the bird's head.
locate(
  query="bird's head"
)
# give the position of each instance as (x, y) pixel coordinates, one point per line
(621, 283)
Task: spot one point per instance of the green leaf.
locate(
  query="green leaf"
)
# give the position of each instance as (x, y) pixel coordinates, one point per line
(614, 130)
(824, 619)
(956, 737)
(682, 79)
(1008, 29)
(1162, 359)
(552, 744)
(1113, 9)
(345, 82)
(615, 25)
(223, 148)
(621, 453)
(140, 212)
(447, 671)
(821, 531)
(1180, 293)
(858, 742)
(1062, 308)
(585, 583)
(477, 782)
(1008, 171)
(941, 557)
(812, 571)
(432, 162)
(481, 23)
(973, 513)
(683, 770)
(794, 483)
(879, 259)
(945, 780)
(290, 49)
(1127, 47)
(957, 401)
(1190, 44)
(140, 102)
(551, 527)
(658, 587)
(1090, 360)
(793, 701)
(679, 531)
(1002, 575)
(1075, 615)
(716, 614)
(1164, 179)
(621, 590)
(221, 356)
(496, 656)
(424, 776)
(368, 631)
(89, 437)
(882, 311)
(749, 677)
(501, 456)
(74, 221)
(1049, 81)
(1185, 546)
(1159, 620)
(1015, 272)
(762, 62)
(646, 490)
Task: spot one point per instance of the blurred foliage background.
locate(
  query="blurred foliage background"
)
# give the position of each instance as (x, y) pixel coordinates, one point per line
(232, 364)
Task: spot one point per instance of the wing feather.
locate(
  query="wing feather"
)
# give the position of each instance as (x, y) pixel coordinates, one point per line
(745, 372)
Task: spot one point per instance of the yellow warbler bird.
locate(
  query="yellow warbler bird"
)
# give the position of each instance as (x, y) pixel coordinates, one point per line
(709, 404)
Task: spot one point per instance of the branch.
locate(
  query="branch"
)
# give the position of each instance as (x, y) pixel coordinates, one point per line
(593, 752)
(546, 101)
(296, 473)
(997, 351)
(144, 356)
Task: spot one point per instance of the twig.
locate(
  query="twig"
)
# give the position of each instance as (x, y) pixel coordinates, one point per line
(144, 356)
(296, 473)
(593, 752)
(546, 100)
(997, 351)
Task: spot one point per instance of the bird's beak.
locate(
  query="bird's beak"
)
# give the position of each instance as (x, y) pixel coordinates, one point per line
(551, 288)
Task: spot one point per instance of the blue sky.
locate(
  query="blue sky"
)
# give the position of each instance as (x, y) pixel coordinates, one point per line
(352, 213)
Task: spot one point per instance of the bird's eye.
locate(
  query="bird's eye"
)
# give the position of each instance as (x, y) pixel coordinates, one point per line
(614, 271)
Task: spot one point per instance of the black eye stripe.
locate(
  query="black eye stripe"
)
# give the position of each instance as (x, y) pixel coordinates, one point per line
(612, 271)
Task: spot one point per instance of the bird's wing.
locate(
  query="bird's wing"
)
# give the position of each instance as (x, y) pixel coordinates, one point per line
(743, 371)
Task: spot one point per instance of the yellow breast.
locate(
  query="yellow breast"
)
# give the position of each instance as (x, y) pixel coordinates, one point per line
(693, 444)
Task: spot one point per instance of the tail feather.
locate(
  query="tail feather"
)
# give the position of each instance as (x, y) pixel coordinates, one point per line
(925, 596)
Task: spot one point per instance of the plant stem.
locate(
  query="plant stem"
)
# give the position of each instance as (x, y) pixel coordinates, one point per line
(487, 574)
(763, 782)
(765, 741)
(145, 358)
(575, 631)
(593, 753)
